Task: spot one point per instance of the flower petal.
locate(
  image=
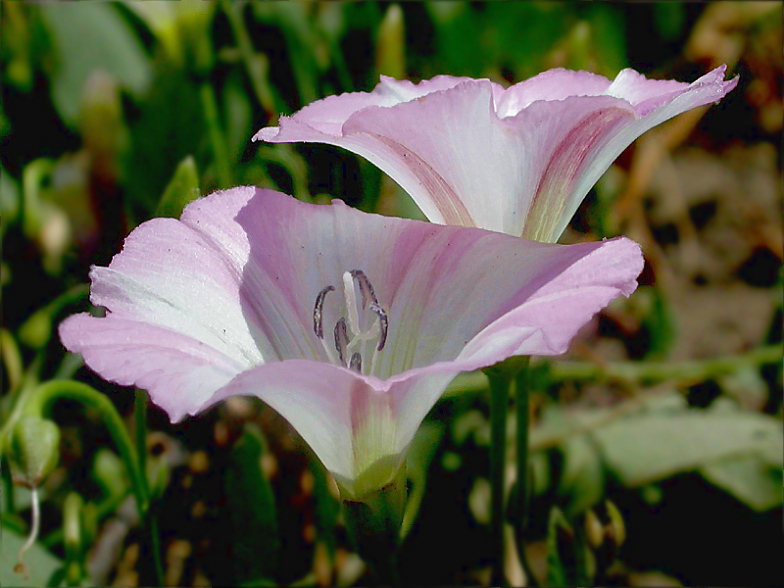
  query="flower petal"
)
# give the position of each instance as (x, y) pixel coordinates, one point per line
(327, 116)
(654, 102)
(539, 315)
(346, 418)
(180, 372)
(519, 160)
(551, 85)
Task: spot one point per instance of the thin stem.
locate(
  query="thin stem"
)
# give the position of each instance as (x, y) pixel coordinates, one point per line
(36, 525)
(41, 400)
(43, 397)
(499, 402)
(373, 523)
(155, 545)
(522, 410)
(219, 149)
(140, 434)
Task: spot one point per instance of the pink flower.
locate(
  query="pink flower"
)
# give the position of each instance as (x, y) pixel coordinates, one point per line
(350, 325)
(517, 160)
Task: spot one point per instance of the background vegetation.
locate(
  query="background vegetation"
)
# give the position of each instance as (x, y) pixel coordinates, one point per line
(669, 404)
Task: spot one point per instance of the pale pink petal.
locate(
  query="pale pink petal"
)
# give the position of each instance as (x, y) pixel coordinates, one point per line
(566, 135)
(316, 399)
(565, 287)
(517, 161)
(618, 135)
(551, 85)
(327, 116)
(180, 372)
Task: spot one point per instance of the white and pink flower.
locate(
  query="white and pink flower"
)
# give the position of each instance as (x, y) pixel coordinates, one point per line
(350, 325)
(518, 160)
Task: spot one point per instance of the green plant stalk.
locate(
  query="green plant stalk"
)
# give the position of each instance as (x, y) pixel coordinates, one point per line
(219, 149)
(522, 414)
(373, 522)
(40, 401)
(140, 435)
(155, 545)
(499, 401)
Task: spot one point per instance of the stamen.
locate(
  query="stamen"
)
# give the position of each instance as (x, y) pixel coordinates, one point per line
(383, 323)
(365, 287)
(318, 326)
(351, 303)
(356, 332)
(341, 339)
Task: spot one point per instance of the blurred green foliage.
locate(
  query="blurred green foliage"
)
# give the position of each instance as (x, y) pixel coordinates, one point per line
(119, 111)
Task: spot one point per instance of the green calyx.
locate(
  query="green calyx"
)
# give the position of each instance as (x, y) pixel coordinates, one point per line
(374, 520)
(33, 449)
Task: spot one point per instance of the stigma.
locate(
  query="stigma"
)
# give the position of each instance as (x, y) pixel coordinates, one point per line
(361, 332)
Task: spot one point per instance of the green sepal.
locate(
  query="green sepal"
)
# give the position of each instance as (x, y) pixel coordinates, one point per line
(34, 449)
(374, 521)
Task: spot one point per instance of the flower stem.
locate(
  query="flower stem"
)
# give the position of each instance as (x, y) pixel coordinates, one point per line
(373, 521)
(21, 567)
(499, 402)
(44, 396)
(151, 518)
(140, 434)
(41, 400)
(522, 409)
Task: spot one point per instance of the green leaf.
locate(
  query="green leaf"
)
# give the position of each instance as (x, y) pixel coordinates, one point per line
(749, 478)
(251, 508)
(653, 446)
(182, 189)
(41, 565)
(89, 36)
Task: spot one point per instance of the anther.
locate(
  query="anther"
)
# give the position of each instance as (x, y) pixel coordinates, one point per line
(318, 326)
(341, 338)
(365, 287)
(356, 363)
(383, 322)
